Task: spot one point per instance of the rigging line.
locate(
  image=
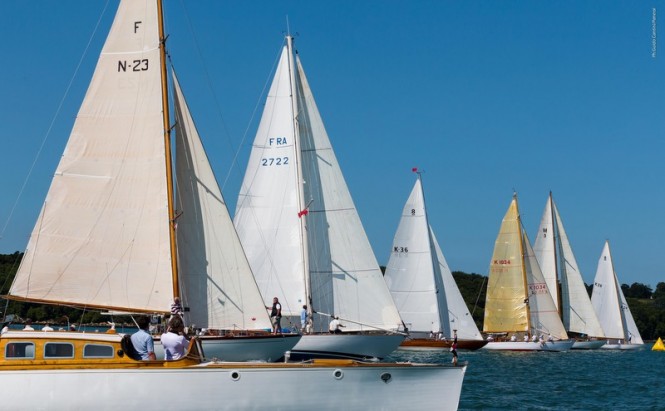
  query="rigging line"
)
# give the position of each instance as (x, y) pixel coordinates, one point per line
(55, 116)
(234, 162)
(361, 324)
(478, 298)
(226, 133)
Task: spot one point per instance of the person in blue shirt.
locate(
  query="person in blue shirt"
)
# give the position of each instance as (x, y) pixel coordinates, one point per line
(142, 340)
(303, 320)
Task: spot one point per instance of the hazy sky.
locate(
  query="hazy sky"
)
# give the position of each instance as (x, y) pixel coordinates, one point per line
(486, 97)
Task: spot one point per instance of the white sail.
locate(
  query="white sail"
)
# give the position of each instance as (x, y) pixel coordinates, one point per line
(102, 238)
(343, 273)
(609, 302)
(557, 261)
(544, 315)
(216, 283)
(266, 216)
(419, 279)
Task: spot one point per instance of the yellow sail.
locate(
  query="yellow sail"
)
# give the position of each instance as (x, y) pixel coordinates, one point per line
(658, 346)
(505, 307)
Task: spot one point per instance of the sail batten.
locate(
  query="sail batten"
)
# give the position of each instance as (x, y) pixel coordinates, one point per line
(101, 239)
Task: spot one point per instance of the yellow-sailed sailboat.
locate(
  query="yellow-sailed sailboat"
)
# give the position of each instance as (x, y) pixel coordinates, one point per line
(519, 312)
(105, 239)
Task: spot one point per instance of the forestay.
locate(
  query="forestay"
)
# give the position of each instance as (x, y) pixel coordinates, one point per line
(216, 282)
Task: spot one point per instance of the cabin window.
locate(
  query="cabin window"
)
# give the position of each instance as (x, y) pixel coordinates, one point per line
(20, 350)
(98, 351)
(58, 350)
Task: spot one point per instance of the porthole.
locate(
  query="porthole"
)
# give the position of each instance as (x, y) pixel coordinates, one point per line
(235, 375)
(338, 374)
(386, 377)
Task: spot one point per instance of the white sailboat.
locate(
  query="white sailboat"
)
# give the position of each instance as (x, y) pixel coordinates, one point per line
(611, 306)
(423, 286)
(301, 231)
(564, 280)
(105, 239)
(519, 308)
(215, 280)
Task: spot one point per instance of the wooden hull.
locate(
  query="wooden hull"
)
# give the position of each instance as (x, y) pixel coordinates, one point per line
(430, 344)
(529, 346)
(371, 347)
(38, 382)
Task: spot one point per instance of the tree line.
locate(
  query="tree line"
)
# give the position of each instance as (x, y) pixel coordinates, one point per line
(646, 305)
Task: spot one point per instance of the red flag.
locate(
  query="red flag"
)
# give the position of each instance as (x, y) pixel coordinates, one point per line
(303, 212)
(414, 169)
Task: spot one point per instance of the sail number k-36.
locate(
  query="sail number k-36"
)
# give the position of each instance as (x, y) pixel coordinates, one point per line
(133, 65)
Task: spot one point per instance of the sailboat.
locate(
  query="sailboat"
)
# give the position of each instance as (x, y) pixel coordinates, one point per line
(423, 286)
(105, 239)
(518, 301)
(611, 306)
(564, 280)
(302, 233)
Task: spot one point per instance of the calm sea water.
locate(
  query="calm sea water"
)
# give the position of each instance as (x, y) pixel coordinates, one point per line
(574, 380)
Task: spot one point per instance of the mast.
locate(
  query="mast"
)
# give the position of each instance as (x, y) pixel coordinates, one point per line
(302, 215)
(167, 149)
(522, 252)
(433, 256)
(556, 240)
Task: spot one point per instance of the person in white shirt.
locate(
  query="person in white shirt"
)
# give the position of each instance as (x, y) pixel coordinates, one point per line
(175, 345)
(334, 326)
(46, 327)
(28, 325)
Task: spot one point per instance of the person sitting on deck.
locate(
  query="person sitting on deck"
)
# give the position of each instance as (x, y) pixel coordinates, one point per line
(526, 337)
(513, 338)
(142, 340)
(334, 326)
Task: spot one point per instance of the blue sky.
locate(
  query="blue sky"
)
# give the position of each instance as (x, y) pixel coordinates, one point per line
(484, 96)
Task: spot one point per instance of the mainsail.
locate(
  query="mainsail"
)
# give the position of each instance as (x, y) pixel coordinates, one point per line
(296, 219)
(518, 299)
(216, 283)
(557, 261)
(102, 237)
(610, 304)
(419, 279)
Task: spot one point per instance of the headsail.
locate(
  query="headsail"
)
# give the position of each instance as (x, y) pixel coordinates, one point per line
(102, 237)
(557, 261)
(344, 275)
(419, 279)
(216, 282)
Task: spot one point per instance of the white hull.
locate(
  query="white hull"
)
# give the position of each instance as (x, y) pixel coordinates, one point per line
(355, 346)
(623, 347)
(274, 387)
(245, 348)
(588, 345)
(529, 346)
